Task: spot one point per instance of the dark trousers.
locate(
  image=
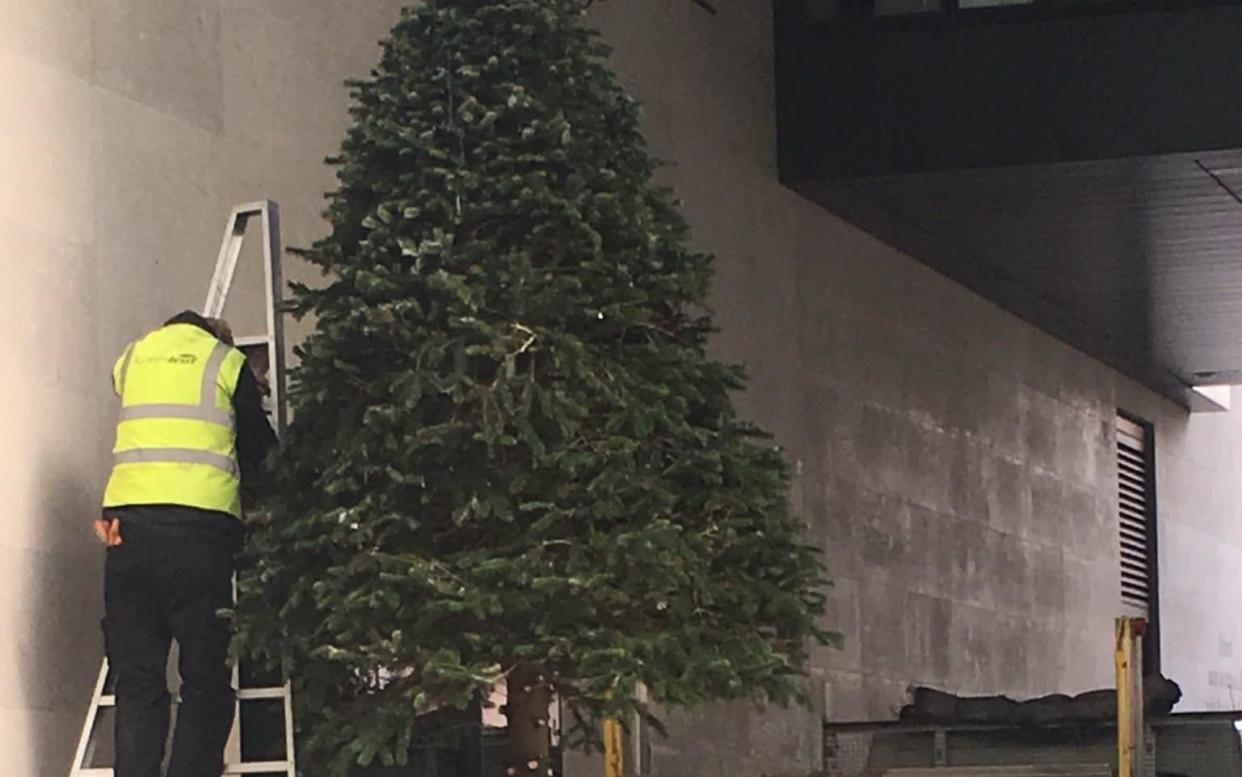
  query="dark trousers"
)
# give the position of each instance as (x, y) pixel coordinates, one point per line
(168, 580)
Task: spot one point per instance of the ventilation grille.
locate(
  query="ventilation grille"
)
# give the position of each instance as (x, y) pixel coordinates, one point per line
(1133, 496)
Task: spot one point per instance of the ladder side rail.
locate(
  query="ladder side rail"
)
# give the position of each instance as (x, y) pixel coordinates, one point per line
(273, 252)
(85, 750)
(226, 263)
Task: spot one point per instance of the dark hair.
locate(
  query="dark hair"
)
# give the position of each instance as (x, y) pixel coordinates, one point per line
(189, 317)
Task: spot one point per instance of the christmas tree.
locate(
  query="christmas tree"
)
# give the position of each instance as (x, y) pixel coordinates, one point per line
(511, 457)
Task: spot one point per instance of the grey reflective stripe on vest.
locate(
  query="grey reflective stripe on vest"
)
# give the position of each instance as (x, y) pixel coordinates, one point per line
(212, 415)
(177, 456)
(205, 410)
(211, 374)
(129, 354)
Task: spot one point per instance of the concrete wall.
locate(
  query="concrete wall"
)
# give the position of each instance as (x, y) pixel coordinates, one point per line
(955, 462)
(1199, 477)
(128, 128)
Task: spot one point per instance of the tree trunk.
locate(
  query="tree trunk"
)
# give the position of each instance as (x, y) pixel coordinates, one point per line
(529, 698)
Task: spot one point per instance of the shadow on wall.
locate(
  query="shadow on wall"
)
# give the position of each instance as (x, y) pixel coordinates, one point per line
(60, 646)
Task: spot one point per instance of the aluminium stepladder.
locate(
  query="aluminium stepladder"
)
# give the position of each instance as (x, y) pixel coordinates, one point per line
(273, 342)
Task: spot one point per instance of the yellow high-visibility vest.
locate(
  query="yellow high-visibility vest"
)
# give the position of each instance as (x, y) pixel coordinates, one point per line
(176, 438)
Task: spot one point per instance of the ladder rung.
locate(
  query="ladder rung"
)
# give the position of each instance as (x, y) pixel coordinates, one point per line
(257, 767)
(249, 694)
(246, 694)
(249, 341)
(252, 767)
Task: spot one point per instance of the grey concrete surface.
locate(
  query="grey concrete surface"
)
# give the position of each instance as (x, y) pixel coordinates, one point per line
(128, 128)
(957, 464)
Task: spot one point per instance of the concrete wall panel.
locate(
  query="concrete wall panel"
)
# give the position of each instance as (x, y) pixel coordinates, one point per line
(128, 129)
(164, 54)
(957, 464)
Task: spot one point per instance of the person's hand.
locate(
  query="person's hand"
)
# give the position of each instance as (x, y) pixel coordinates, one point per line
(108, 530)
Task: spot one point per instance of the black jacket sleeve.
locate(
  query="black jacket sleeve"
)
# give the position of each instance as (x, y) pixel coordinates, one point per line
(254, 433)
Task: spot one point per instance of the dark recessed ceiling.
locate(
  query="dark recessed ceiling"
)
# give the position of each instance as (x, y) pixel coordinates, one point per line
(1075, 169)
(1138, 262)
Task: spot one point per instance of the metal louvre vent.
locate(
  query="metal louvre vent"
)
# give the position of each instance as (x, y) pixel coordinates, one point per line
(1134, 511)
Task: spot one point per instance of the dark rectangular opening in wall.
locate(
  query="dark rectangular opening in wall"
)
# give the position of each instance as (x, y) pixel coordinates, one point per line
(1136, 513)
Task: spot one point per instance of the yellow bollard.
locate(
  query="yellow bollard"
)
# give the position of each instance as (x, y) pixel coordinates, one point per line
(1128, 657)
(614, 762)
